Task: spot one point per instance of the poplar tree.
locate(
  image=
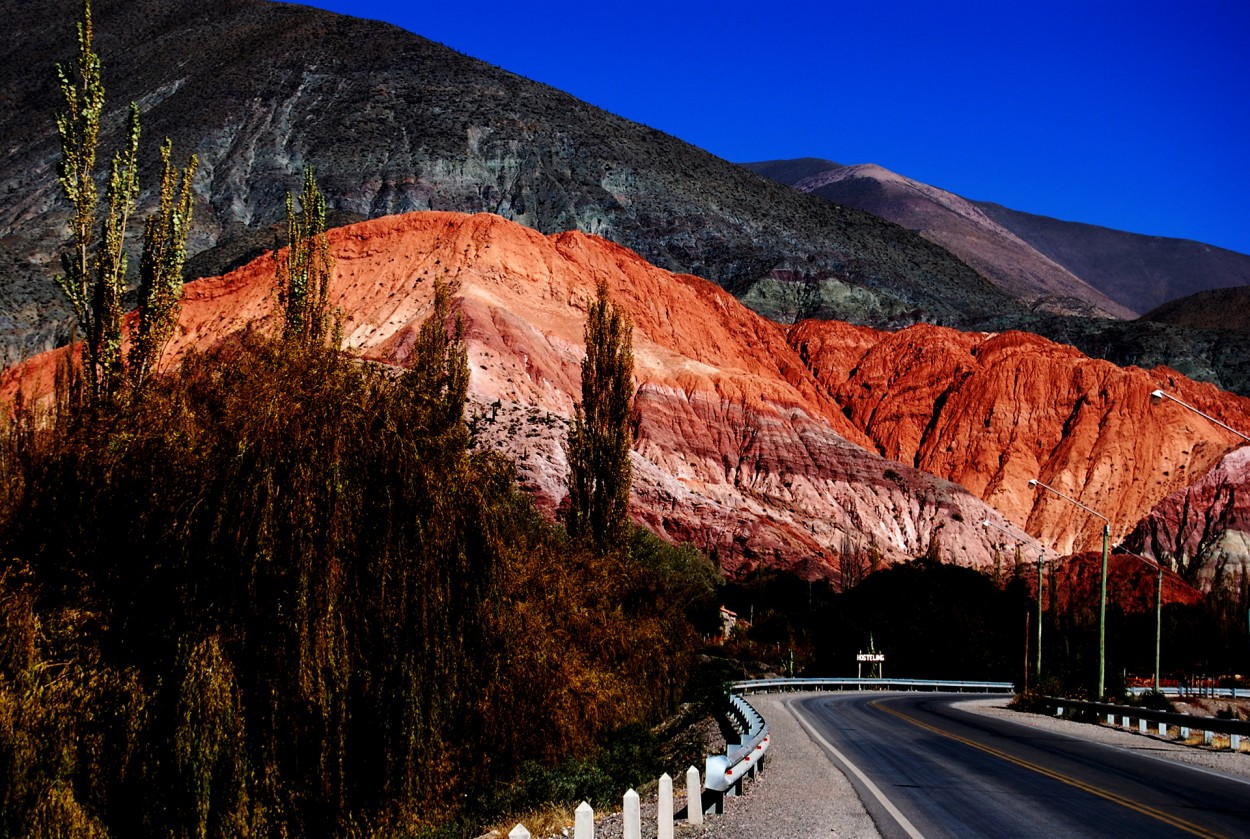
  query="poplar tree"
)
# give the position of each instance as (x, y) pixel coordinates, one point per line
(599, 441)
(94, 278)
(304, 269)
(160, 270)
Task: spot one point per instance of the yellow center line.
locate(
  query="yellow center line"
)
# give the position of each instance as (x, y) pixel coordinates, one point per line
(1144, 809)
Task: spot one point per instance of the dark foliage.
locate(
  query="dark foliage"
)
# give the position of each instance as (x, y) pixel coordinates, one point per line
(931, 620)
(602, 430)
(279, 594)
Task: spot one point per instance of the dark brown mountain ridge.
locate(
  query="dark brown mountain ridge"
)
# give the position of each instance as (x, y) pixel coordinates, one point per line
(1081, 281)
(393, 122)
(1217, 308)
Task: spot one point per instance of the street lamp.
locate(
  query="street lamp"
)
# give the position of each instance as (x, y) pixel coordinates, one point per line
(1158, 609)
(1102, 602)
(1040, 552)
(1157, 396)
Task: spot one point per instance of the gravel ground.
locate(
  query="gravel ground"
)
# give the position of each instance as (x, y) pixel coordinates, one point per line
(799, 795)
(1151, 744)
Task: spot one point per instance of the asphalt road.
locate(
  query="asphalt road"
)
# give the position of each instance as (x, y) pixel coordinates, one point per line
(926, 769)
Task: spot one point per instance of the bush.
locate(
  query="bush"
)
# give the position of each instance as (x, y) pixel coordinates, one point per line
(284, 595)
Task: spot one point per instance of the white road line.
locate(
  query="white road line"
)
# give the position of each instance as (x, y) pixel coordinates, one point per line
(902, 820)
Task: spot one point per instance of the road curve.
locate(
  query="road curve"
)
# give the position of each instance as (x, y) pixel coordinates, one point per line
(926, 769)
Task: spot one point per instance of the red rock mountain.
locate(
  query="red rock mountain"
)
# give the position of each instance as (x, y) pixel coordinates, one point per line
(1203, 530)
(772, 445)
(991, 412)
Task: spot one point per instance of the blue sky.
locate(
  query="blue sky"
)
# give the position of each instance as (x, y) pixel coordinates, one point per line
(1131, 115)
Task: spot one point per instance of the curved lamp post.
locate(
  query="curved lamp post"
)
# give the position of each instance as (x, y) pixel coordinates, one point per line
(988, 523)
(1158, 608)
(1102, 601)
(1157, 396)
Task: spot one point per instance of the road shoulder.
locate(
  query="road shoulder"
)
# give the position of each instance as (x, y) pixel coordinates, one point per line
(800, 795)
(1150, 745)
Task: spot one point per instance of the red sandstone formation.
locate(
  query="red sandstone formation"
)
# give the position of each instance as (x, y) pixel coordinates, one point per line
(772, 446)
(1074, 582)
(992, 411)
(1203, 530)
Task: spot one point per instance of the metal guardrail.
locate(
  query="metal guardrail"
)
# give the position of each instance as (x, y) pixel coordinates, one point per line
(1194, 692)
(755, 685)
(724, 772)
(1212, 724)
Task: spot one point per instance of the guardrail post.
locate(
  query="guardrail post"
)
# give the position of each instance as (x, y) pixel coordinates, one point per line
(694, 797)
(1184, 732)
(632, 812)
(1234, 742)
(519, 832)
(1058, 710)
(1141, 726)
(664, 810)
(584, 824)
(1208, 737)
(1163, 729)
(1124, 722)
(1111, 719)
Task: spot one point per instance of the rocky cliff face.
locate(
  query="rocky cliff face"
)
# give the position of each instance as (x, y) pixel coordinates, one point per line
(823, 448)
(737, 448)
(993, 411)
(1074, 583)
(1203, 530)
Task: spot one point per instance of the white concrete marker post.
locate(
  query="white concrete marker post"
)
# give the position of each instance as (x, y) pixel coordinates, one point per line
(519, 832)
(584, 824)
(1141, 726)
(1163, 729)
(694, 796)
(664, 811)
(1234, 742)
(632, 811)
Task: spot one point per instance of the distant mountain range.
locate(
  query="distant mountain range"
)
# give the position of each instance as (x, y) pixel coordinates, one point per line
(1056, 266)
(392, 122)
(1079, 281)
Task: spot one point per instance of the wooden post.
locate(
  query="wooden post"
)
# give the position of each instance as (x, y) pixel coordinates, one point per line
(632, 812)
(584, 826)
(694, 796)
(664, 814)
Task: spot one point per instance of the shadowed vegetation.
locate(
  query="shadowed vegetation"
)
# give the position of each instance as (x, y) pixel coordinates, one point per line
(278, 593)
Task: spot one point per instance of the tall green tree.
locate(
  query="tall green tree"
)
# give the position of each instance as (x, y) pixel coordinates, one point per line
(160, 270)
(599, 441)
(304, 269)
(94, 278)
